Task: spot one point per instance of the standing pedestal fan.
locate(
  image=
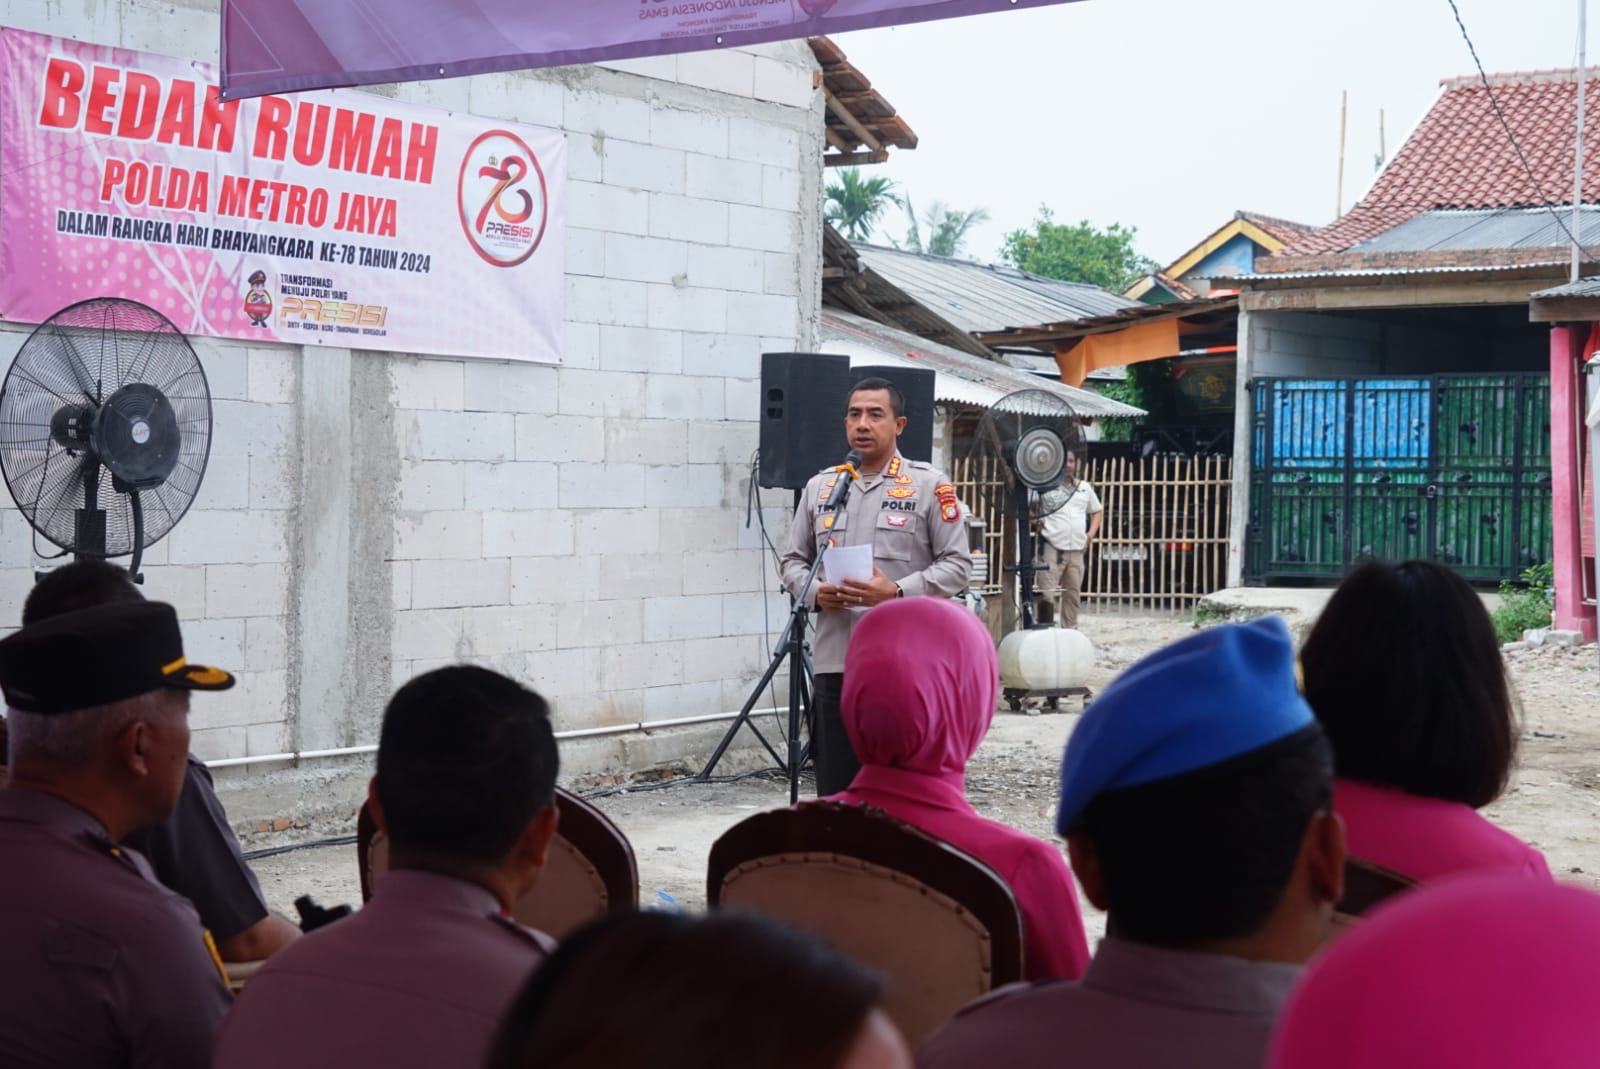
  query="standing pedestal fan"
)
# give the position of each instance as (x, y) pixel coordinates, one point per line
(105, 428)
(1021, 446)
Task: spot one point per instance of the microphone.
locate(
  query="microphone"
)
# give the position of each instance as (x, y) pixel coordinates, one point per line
(845, 474)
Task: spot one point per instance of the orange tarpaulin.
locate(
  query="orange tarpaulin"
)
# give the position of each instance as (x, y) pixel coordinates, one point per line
(1130, 345)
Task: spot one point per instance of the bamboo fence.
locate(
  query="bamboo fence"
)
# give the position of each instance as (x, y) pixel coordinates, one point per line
(1164, 541)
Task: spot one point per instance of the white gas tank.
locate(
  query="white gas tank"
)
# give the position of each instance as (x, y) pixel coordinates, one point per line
(1045, 658)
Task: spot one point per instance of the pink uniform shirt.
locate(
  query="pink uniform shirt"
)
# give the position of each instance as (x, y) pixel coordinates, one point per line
(920, 686)
(1482, 971)
(1426, 838)
(417, 978)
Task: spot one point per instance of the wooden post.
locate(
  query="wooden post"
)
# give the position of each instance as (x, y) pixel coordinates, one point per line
(1344, 107)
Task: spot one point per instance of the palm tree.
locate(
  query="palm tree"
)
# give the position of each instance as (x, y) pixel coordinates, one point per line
(853, 203)
(948, 227)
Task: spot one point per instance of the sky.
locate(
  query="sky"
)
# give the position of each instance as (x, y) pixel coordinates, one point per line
(1169, 116)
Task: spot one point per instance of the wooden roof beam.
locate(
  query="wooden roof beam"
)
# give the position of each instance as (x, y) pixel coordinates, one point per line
(854, 159)
(842, 113)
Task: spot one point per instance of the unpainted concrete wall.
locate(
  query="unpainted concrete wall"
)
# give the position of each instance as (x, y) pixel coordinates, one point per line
(367, 516)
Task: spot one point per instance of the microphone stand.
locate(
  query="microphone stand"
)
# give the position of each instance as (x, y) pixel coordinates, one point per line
(792, 647)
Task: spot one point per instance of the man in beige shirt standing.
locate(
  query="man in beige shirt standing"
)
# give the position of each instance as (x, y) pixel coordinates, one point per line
(1071, 516)
(906, 511)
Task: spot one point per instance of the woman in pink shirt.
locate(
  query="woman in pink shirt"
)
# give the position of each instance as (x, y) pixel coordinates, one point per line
(1476, 972)
(1403, 671)
(920, 684)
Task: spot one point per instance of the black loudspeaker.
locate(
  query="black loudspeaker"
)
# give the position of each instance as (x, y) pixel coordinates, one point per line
(803, 398)
(802, 416)
(916, 384)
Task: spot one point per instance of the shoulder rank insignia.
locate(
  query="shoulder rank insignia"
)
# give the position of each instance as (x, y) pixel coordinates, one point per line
(216, 957)
(949, 511)
(894, 466)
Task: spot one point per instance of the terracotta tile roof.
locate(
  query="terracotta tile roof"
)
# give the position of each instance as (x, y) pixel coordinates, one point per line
(861, 126)
(1285, 230)
(1173, 286)
(1459, 157)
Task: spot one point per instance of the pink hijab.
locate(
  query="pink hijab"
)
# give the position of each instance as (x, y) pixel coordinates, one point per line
(1473, 971)
(920, 683)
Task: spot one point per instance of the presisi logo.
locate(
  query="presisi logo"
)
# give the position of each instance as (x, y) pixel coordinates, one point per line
(501, 197)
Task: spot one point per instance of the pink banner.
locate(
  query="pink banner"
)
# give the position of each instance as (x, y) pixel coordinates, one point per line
(277, 46)
(332, 218)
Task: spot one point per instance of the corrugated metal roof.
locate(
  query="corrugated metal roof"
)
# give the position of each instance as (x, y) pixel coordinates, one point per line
(1376, 272)
(1584, 287)
(1502, 228)
(985, 298)
(960, 378)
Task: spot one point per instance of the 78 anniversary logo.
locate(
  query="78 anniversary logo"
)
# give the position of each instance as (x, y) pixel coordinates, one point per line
(501, 197)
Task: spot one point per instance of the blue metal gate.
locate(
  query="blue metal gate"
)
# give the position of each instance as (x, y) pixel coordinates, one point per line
(1454, 468)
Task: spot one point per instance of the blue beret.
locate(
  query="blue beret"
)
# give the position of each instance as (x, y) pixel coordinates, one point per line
(1216, 695)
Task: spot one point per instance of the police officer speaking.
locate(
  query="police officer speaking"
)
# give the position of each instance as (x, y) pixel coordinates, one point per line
(906, 511)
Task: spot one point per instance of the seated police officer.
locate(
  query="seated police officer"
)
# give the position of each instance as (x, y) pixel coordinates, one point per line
(102, 965)
(194, 851)
(419, 977)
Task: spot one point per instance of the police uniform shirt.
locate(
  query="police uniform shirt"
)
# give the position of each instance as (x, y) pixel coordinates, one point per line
(195, 853)
(418, 977)
(101, 966)
(1137, 1007)
(907, 513)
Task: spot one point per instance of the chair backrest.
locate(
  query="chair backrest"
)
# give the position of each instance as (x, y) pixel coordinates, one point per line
(591, 870)
(939, 923)
(1365, 886)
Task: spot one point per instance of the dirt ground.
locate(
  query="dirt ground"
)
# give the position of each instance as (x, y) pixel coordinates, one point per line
(1554, 800)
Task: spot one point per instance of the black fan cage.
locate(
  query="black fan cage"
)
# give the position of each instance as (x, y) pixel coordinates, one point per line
(81, 356)
(1007, 421)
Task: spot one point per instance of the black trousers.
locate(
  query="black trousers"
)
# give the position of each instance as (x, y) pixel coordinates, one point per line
(831, 753)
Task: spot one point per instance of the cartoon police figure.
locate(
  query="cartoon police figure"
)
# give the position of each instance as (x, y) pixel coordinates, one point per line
(257, 301)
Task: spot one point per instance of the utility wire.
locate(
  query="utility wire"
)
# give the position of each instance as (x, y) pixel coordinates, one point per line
(1512, 138)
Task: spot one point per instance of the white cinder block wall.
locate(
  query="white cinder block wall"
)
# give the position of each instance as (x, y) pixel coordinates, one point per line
(367, 516)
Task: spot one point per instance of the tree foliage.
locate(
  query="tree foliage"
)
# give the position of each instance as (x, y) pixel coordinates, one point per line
(1081, 253)
(947, 227)
(854, 204)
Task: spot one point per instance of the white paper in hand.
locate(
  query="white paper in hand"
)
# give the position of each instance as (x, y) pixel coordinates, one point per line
(846, 562)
